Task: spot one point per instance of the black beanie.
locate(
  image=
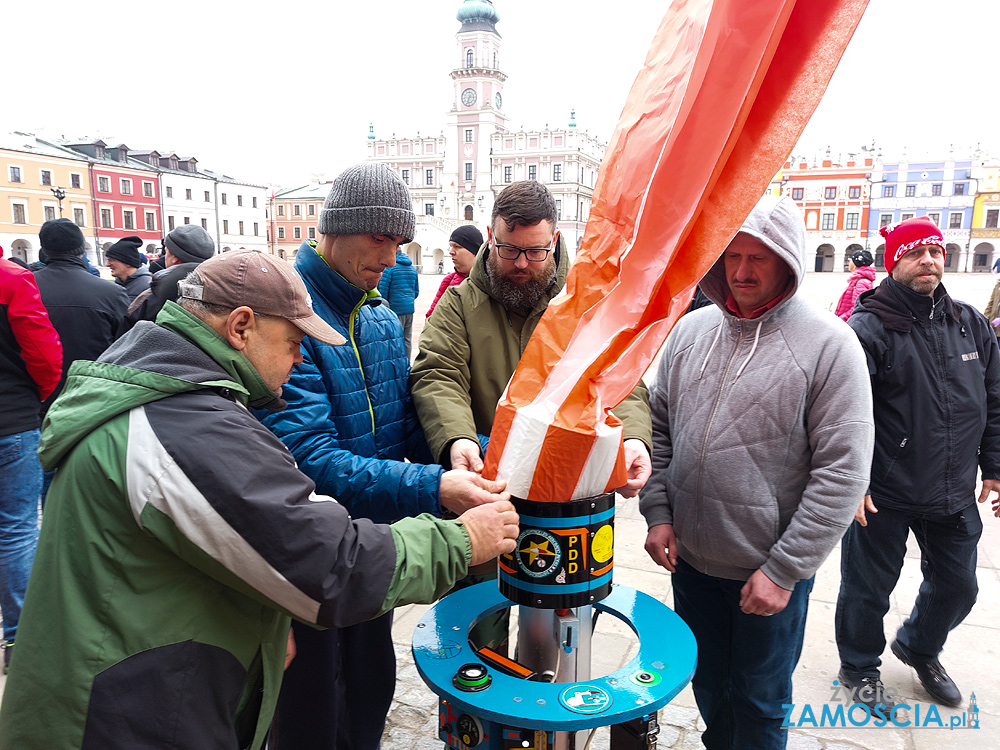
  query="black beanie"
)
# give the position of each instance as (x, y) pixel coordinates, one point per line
(127, 251)
(862, 258)
(468, 237)
(61, 237)
(189, 243)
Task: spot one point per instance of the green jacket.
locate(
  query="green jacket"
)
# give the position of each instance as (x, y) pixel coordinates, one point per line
(470, 347)
(178, 539)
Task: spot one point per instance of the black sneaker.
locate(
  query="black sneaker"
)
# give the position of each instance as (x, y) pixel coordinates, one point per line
(867, 690)
(932, 676)
(8, 648)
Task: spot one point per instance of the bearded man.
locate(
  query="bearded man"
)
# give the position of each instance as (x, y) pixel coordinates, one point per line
(471, 345)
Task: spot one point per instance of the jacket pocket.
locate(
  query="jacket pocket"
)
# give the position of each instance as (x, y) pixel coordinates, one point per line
(11, 449)
(894, 457)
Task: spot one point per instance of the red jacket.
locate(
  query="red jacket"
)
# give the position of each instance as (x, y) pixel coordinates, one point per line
(860, 281)
(452, 279)
(30, 351)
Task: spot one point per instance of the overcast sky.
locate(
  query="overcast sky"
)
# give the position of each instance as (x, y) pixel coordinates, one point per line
(279, 99)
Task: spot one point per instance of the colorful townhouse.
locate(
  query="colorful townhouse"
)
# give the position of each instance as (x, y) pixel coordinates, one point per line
(39, 182)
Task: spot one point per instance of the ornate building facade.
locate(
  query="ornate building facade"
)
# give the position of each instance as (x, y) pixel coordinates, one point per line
(454, 177)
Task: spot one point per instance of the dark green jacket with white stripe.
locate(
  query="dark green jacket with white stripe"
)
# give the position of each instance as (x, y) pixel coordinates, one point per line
(178, 538)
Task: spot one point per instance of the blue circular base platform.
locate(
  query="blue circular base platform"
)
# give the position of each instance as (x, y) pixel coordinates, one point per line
(664, 665)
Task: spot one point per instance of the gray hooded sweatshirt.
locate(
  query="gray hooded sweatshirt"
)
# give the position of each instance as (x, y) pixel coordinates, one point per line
(762, 428)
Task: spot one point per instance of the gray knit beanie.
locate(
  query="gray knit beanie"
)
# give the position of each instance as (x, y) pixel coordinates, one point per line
(368, 198)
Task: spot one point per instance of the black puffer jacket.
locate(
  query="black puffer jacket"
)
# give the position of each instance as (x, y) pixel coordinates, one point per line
(935, 370)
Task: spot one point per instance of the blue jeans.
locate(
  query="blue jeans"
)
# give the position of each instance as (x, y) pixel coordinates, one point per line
(871, 559)
(745, 662)
(20, 487)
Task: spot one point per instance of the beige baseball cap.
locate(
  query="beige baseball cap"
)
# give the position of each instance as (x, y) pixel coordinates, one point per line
(265, 284)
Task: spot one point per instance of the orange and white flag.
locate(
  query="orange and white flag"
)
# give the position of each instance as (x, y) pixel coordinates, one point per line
(725, 92)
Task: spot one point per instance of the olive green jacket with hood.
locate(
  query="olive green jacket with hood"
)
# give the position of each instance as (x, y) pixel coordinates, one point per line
(762, 428)
(470, 347)
(178, 540)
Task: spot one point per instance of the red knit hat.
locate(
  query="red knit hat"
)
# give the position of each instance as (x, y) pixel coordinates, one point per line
(906, 235)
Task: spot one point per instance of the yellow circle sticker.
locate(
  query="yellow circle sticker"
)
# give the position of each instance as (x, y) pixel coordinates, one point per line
(604, 543)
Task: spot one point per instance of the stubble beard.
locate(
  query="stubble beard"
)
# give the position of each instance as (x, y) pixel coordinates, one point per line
(923, 286)
(519, 298)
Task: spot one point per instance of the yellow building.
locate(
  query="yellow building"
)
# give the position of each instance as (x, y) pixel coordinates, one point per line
(31, 173)
(985, 239)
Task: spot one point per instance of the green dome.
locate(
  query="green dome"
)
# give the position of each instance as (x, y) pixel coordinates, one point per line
(477, 10)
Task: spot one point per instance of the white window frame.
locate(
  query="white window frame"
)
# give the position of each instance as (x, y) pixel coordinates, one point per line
(128, 214)
(111, 212)
(147, 184)
(122, 183)
(79, 177)
(74, 207)
(54, 208)
(20, 174)
(823, 221)
(107, 183)
(146, 215)
(41, 178)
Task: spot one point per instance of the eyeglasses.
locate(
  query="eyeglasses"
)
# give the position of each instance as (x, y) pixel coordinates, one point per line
(533, 254)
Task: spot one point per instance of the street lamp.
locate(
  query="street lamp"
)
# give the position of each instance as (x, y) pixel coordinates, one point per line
(59, 193)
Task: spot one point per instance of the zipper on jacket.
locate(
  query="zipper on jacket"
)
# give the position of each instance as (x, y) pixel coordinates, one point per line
(708, 428)
(351, 321)
(941, 358)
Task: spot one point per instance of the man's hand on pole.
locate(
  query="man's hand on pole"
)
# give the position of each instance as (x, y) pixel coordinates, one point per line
(492, 529)
(465, 455)
(638, 466)
(461, 490)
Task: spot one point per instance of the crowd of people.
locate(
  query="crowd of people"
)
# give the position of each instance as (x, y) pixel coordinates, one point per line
(243, 474)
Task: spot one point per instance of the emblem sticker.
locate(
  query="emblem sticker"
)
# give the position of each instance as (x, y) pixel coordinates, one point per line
(585, 699)
(538, 553)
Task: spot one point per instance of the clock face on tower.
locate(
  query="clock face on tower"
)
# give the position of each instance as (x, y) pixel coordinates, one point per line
(499, 100)
(469, 97)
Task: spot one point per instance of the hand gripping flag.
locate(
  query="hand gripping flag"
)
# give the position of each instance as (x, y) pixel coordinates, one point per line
(725, 92)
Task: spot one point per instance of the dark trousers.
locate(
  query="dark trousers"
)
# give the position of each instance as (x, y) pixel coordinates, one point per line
(870, 563)
(745, 662)
(337, 691)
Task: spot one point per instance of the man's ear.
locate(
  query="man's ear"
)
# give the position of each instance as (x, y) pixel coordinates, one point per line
(238, 326)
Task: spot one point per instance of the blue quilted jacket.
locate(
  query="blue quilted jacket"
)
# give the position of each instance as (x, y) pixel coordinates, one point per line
(400, 285)
(349, 421)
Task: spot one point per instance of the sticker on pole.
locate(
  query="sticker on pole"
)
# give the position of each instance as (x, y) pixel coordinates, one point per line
(585, 699)
(538, 553)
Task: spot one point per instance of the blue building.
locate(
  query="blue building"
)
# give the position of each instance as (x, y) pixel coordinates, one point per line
(943, 190)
